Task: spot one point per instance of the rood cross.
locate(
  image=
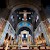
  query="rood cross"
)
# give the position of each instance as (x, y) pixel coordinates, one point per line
(25, 14)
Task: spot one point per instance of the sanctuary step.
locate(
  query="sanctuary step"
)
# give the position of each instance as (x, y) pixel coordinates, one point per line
(34, 48)
(24, 49)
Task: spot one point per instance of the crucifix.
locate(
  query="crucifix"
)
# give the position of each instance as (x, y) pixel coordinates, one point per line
(25, 14)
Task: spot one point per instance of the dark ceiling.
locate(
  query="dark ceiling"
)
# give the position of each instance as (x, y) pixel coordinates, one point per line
(2, 3)
(44, 3)
(7, 5)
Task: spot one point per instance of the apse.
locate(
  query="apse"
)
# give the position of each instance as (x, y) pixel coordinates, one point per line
(18, 15)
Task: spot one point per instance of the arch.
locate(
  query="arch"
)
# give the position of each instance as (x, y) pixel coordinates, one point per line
(24, 24)
(24, 5)
(24, 28)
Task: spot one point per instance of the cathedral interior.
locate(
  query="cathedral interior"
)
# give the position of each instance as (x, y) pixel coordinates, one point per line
(24, 25)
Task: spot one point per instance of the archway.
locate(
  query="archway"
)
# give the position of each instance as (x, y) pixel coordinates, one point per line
(22, 6)
(24, 28)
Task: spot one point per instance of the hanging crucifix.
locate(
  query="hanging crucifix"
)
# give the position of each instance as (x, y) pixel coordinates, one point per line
(25, 14)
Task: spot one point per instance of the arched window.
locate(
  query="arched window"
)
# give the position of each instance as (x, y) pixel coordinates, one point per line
(6, 36)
